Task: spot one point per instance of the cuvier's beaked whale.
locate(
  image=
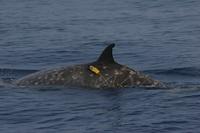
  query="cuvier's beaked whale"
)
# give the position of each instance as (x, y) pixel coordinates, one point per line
(103, 73)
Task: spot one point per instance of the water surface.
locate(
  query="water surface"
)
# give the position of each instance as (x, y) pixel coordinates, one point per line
(160, 38)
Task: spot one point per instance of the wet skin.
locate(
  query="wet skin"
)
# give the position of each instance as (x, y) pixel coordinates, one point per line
(111, 75)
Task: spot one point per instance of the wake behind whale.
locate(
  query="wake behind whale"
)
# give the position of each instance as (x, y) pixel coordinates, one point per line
(105, 72)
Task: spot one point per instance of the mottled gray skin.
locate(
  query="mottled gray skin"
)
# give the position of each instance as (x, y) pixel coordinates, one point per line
(112, 75)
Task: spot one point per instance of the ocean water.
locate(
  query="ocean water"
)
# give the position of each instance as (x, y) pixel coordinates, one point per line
(159, 38)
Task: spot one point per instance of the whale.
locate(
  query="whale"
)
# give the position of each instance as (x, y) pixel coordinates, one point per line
(105, 72)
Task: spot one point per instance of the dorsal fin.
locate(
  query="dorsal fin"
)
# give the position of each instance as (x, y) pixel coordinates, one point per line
(107, 56)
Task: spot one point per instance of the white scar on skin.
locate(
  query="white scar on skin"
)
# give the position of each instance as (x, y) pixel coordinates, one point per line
(138, 82)
(106, 75)
(132, 72)
(116, 72)
(104, 67)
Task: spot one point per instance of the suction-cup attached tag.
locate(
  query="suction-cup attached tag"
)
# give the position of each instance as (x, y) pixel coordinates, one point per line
(94, 70)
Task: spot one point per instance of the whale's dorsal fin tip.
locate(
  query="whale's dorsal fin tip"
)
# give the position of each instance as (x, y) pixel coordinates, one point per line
(107, 56)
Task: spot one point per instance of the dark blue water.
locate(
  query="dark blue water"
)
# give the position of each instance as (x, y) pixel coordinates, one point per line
(160, 38)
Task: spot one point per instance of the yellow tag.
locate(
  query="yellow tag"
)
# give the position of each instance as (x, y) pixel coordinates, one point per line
(94, 69)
